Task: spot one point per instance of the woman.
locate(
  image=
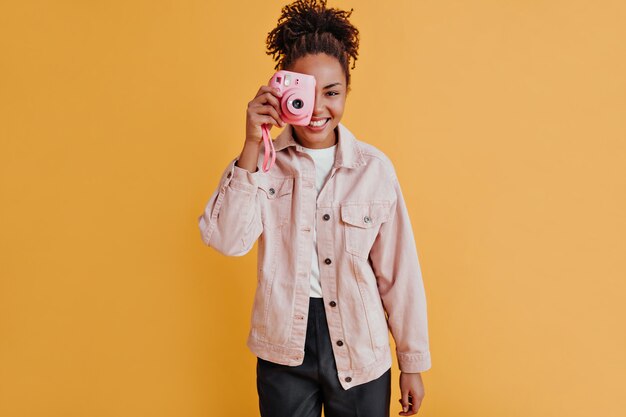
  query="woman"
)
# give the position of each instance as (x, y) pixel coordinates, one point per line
(336, 249)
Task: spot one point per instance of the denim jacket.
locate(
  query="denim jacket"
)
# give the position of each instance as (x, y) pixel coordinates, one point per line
(369, 270)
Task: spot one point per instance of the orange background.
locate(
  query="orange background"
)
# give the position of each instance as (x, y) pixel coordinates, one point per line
(506, 122)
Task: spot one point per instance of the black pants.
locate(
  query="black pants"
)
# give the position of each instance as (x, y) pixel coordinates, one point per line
(300, 391)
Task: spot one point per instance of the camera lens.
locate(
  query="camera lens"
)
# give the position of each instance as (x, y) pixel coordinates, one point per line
(298, 104)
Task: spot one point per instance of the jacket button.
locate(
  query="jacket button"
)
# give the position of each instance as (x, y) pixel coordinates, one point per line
(339, 343)
(367, 219)
(328, 261)
(333, 304)
(326, 216)
(272, 191)
(348, 379)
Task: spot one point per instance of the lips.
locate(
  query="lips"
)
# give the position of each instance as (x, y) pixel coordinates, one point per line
(315, 125)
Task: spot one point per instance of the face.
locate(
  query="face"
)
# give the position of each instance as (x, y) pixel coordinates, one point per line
(330, 99)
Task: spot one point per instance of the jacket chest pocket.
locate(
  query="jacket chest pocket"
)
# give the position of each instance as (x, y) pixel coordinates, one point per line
(277, 193)
(361, 223)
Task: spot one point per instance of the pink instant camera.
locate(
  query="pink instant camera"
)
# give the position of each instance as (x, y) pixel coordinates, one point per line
(298, 96)
(296, 104)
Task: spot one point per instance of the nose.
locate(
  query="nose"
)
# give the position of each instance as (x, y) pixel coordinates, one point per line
(318, 106)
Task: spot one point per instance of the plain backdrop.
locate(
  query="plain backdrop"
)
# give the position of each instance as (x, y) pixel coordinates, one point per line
(505, 121)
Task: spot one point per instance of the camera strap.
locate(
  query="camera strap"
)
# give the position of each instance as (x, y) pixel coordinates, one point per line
(269, 144)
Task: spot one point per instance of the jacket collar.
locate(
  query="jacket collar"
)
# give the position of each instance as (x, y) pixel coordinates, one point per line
(348, 154)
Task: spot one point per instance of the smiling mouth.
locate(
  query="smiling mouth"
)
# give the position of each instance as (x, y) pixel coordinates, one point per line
(319, 123)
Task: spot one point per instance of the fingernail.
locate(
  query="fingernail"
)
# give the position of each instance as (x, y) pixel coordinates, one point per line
(405, 408)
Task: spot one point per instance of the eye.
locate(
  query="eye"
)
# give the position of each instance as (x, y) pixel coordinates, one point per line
(333, 93)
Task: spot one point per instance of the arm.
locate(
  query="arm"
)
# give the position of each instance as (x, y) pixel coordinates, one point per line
(395, 263)
(396, 266)
(231, 221)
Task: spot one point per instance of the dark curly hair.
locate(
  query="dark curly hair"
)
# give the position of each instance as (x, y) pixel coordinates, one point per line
(308, 27)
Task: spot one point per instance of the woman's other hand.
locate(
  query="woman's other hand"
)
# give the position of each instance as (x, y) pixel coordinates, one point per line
(412, 391)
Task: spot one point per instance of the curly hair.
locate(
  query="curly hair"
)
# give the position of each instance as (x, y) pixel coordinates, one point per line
(308, 27)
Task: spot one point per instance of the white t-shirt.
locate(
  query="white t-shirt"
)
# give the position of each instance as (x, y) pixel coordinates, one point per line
(324, 160)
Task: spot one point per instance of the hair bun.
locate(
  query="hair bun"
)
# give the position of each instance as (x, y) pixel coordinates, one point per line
(306, 26)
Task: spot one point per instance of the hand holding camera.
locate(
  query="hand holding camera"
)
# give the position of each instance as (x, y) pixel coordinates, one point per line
(263, 109)
(289, 97)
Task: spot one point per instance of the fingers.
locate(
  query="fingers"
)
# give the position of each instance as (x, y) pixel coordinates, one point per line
(270, 111)
(266, 89)
(404, 401)
(264, 116)
(412, 393)
(263, 109)
(410, 404)
(268, 95)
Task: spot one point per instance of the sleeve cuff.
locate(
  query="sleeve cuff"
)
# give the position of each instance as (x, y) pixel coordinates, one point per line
(413, 362)
(242, 179)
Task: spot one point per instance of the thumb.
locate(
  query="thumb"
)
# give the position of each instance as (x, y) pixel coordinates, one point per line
(405, 400)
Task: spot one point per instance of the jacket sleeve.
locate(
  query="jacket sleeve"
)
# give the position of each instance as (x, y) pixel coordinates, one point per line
(394, 260)
(231, 221)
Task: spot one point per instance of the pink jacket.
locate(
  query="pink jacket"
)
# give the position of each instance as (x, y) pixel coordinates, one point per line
(368, 258)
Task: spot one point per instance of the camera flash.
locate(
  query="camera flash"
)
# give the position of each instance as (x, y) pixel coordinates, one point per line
(287, 80)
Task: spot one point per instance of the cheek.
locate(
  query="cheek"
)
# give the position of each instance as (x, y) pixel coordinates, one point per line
(338, 108)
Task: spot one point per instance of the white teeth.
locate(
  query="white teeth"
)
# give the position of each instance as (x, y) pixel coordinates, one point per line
(318, 123)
